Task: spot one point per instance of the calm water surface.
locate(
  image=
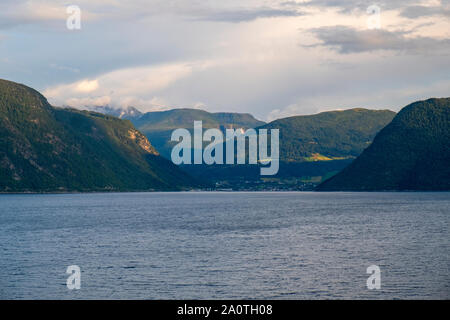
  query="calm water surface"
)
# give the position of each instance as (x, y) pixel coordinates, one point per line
(225, 245)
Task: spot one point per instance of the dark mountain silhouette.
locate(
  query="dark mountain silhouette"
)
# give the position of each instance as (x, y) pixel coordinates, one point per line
(411, 153)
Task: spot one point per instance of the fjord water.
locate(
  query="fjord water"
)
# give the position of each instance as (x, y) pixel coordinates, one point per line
(225, 245)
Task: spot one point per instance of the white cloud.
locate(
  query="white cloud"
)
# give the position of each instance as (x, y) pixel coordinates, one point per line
(130, 86)
(86, 86)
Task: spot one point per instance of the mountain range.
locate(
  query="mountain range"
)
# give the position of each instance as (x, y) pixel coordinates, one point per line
(302, 138)
(46, 149)
(158, 126)
(312, 147)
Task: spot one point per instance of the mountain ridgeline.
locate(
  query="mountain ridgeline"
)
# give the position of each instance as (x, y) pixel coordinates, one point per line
(46, 149)
(158, 126)
(411, 153)
(332, 135)
(312, 148)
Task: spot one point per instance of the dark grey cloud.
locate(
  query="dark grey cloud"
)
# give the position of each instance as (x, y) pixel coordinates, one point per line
(243, 15)
(408, 8)
(413, 12)
(346, 6)
(346, 40)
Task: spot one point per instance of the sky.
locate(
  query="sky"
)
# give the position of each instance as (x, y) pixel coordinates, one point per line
(272, 59)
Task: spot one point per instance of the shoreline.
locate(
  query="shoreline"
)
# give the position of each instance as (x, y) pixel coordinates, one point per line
(217, 191)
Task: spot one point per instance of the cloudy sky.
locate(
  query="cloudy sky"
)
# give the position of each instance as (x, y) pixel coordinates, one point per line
(270, 58)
